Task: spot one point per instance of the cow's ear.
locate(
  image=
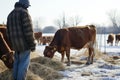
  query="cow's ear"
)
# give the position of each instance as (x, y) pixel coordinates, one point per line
(4, 58)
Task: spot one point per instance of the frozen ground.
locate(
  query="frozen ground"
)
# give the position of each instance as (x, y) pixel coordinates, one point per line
(99, 70)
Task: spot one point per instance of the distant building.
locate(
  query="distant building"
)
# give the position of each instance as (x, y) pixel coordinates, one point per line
(49, 29)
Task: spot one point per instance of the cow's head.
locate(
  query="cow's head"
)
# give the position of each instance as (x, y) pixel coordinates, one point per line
(49, 51)
(8, 59)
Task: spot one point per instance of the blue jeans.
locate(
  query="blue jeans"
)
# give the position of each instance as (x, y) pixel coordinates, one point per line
(21, 64)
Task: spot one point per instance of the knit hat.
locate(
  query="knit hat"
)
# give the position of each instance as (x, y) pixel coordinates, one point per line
(25, 3)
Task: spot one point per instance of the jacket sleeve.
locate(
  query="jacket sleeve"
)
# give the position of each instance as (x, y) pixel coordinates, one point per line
(28, 30)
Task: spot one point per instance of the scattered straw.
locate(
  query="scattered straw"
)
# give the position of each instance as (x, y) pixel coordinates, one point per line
(44, 72)
(57, 65)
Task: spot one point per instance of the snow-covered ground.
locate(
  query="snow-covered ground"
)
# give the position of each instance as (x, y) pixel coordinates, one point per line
(99, 70)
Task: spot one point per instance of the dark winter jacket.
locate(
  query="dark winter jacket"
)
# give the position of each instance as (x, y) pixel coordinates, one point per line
(20, 29)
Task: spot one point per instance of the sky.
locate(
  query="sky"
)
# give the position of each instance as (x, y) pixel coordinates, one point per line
(47, 11)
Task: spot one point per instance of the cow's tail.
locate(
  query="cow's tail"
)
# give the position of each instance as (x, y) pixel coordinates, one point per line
(94, 42)
(95, 46)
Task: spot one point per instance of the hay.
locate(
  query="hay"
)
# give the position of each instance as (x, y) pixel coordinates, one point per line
(6, 75)
(41, 68)
(32, 76)
(34, 55)
(44, 72)
(57, 65)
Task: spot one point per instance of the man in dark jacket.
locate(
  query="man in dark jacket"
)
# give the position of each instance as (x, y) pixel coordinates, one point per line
(20, 34)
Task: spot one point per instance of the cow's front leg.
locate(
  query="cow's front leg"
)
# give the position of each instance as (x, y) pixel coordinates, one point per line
(68, 57)
(62, 54)
(116, 43)
(89, 57)
(92, 55)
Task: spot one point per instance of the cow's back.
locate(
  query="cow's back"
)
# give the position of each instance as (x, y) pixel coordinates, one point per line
(74, 37)
(79, 36)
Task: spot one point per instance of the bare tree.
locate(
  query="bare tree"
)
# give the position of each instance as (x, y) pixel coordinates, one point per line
(115, 19)
(58, 23)
(74, 21)
(61, 22)
(37, 22)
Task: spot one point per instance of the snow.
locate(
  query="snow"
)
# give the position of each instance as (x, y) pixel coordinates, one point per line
(99, 70)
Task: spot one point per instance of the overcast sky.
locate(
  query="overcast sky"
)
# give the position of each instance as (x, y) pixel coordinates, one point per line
(91, 11)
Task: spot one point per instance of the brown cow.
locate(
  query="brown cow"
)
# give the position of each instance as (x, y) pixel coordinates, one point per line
(46, 39)
(49, 39)
(43, 40)
(110, 39)
(37, 36)
(117, 39)
(6, 54)
(73, 37)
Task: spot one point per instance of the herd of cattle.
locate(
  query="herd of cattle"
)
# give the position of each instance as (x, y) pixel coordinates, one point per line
(64, 39)
(113, 37)
(42, 40)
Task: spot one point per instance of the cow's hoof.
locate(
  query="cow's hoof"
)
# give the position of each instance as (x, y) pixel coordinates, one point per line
(68, 64)
(88, 63)
(91, 63)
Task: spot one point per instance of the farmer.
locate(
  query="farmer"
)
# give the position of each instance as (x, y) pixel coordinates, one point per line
(20, 34)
